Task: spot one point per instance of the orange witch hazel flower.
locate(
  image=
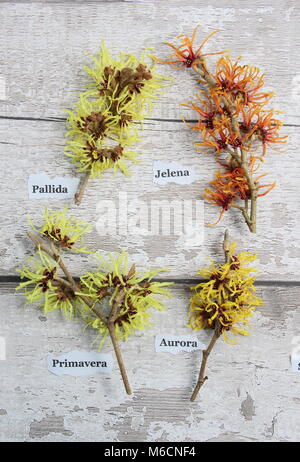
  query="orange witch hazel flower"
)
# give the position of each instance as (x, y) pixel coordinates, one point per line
(224, 137)
(210, 112)
(267, 130)
(232, 121)
(236, 179)
(221, 194)
(185, 55)
(263, 125)
(227, 188)
(240, 83)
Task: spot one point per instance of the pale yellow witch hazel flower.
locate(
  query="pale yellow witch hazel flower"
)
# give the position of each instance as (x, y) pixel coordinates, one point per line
(91, 118)
(43, 285)
(104, 124)
(114, 299)
(96, 155)
(138, 294)
(62, 230)
(129, 85)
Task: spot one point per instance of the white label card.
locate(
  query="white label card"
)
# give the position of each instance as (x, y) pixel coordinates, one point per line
(295, 361)
(175, 343)
(2, 349)
(40, 186)
(79, 363)
(172, 172)
(2, 88)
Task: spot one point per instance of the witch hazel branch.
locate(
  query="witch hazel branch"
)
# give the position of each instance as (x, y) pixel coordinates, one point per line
(103, 126)
(224, 302)
(234, 123)
(114, 299)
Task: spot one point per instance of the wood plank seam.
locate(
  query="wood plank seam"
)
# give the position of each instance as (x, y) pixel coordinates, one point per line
(61, 119)
(15, 280)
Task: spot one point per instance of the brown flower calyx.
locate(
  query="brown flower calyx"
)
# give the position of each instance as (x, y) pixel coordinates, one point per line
(48, 276)
(235, 263)
(117, 281)
(55, 234)
(95, 124)
(115, 81)
(103, 292)
(100, 154)
(209, 120)
(131, 312)
(104, 85)
(125, 119)
(141, 73)
(64, 293)
(218, 280)
(144, 289)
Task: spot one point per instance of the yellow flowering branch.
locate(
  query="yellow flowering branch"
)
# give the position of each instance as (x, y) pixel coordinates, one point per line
(223, 302)
(217, 333)
(82, 187)
(103, 126)
(205, 354)
(71, 283)
(107, 322)
(126, 294)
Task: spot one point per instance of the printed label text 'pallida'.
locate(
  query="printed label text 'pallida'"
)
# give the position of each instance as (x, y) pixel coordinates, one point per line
(40, 186)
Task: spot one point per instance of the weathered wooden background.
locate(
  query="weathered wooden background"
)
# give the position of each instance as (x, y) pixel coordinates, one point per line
(251, 395)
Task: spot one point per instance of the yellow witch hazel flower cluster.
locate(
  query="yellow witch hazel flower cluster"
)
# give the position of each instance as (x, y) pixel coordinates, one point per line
(42, 286)
(43, 283)
(112, 287)
(227, 297)
(102, 127)
(115, 283)
(63, 230)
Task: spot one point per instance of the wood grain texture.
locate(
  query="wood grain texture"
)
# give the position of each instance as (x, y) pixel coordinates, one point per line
(252, 379)
(44, 47)
(251, 394)
(34, 146)
(39, 87)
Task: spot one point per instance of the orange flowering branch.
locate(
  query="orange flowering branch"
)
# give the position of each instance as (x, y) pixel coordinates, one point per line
(234, 123)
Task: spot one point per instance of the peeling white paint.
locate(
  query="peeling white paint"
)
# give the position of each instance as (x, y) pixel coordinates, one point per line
(251, 393)
(3, 86)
